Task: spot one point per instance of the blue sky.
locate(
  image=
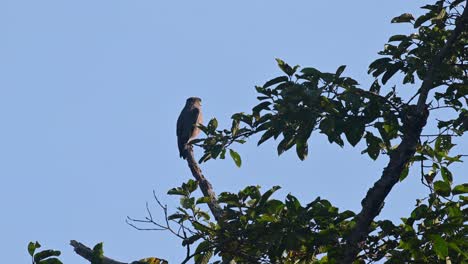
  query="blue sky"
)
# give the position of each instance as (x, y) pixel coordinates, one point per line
(90, 92)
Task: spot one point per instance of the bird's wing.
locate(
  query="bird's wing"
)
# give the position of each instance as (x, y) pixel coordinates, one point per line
(195, 116)
(180, 123)
(186, 123)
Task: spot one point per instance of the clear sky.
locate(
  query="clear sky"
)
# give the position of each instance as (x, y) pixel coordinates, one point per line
(90, 92)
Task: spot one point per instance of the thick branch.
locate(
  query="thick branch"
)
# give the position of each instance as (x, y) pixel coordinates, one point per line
(87, 253)
(413, 122)
(428, 81)
(205, 185)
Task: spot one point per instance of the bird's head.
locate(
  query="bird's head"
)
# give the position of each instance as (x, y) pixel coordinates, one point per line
(196, 101)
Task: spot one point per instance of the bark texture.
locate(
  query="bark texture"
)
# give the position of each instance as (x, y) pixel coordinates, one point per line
(205, 185)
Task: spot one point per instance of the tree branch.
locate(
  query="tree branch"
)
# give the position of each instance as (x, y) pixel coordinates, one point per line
(205, 185)
(413, 122)
(87, 253)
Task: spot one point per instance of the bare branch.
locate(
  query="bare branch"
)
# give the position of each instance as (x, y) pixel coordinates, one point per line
(205, 185)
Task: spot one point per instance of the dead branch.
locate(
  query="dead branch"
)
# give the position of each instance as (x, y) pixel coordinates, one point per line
(87, 253)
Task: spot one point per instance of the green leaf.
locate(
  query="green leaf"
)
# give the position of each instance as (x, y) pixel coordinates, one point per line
(177, 191)
(443, 143)
(267, 195)
(235, 157)
(446, 175)
(265, 218)
(50, 261)
(250, 191)
(292, 203)
(32, 247)
(403, 18)
(201, 250)
(212, 125)
(302, 148)
(204, 258)
(373, 145)
(349, 81)
(347, 214)
(285, 67)
(45, 254)
(311, 72)
(203, 200)
(378, 63)
(440, 246)
(98, 254)
(459, 189)
(267, 135)
(192, 239)
(262, 106)
(176, 216)
(420, 212)
(276, 80)
(391, 70)
(204, 215)
(454, 246)
(274, 206)
(440, 16)
(397, 38)
(190, 186)
(422, 19)
(404, 173)
(387, 226)
(235, 127)
(375, 87)
(285, 144)
(409, 78)
(187, 203)
(340, 70)
(204, 158)
(442, 188)
(354, 132)
(229, 198)
(215, 151)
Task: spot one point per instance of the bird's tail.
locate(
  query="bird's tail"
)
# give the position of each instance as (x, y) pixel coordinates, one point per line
(183, 148)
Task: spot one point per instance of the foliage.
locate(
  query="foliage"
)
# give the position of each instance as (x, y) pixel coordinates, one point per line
(258, 229)
(300, 102)
(97, 256)
(434, 232)
(431, 62)
(47, 256)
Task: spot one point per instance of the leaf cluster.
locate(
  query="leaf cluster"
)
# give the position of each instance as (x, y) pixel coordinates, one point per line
(47, 256)
(256, 228)
(435, 232)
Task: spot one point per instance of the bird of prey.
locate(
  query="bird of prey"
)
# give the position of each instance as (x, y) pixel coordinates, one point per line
(187, 123)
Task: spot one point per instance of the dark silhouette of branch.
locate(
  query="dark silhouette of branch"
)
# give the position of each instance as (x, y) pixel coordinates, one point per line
(205, 185)
(413, 122)
(87, 253)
